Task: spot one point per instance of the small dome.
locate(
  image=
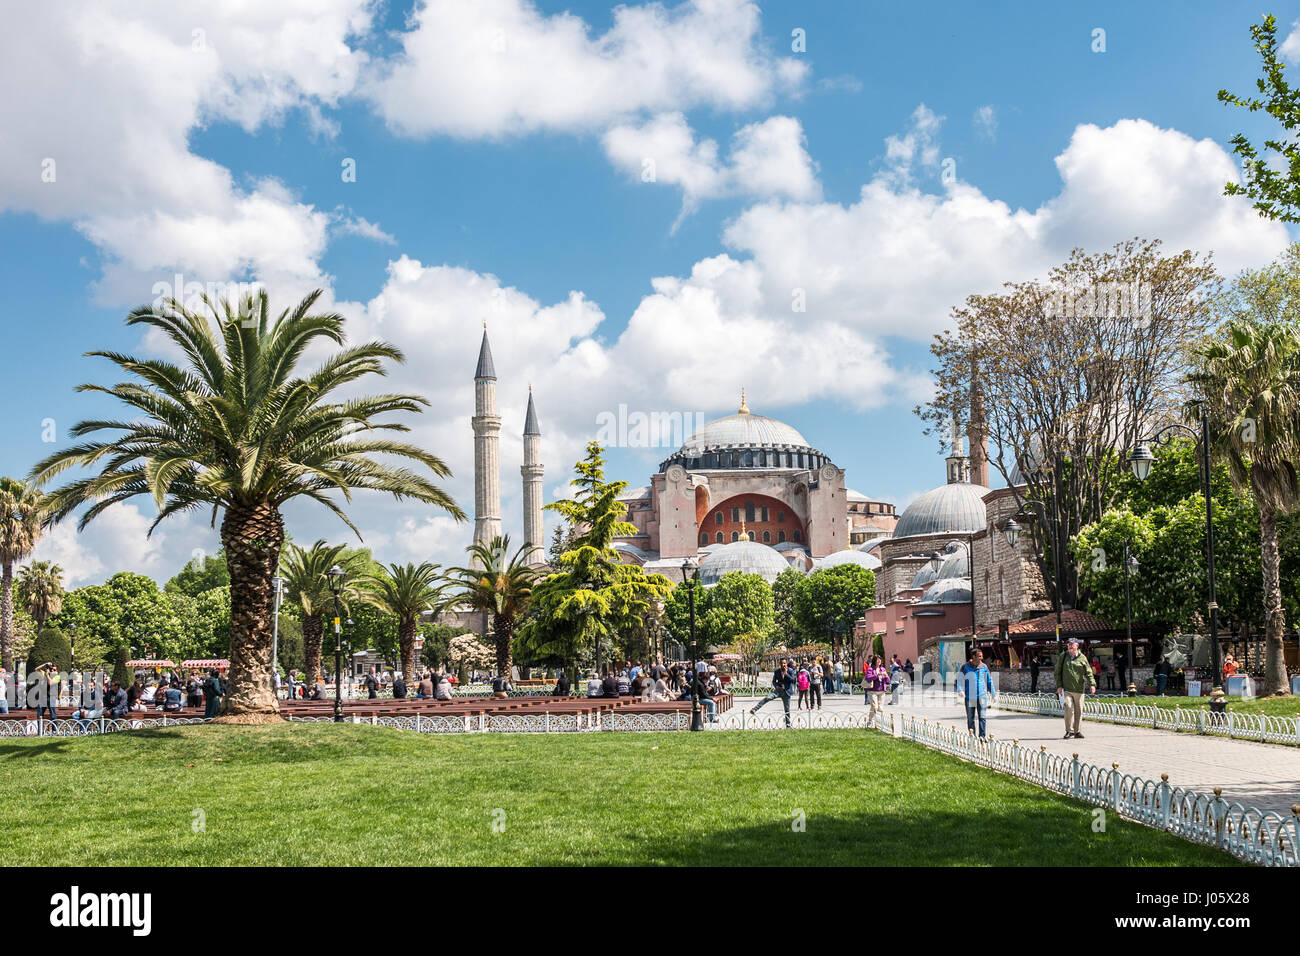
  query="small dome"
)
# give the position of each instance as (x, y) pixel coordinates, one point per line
(790, 546)
(955, 508)
(872, 543)
(837, 558)
(926, 575)
(748, 556)
(947, 591)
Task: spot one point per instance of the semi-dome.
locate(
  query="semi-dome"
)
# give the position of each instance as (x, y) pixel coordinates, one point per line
(947, 591)
(837, 558)
(747, 556)
(956, 508)
(746, 440)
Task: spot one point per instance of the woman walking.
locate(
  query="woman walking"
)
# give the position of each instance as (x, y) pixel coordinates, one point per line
(801, 681)
(815, 684)
(876, 678)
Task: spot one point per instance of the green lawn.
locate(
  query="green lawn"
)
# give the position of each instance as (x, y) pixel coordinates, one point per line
(325, 794)
(1274, 706)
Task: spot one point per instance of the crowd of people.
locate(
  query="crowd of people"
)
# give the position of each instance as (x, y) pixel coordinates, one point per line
(656, 682)
(93, 695)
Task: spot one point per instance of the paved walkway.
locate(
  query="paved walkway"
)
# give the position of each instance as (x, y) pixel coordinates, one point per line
(1262, 775)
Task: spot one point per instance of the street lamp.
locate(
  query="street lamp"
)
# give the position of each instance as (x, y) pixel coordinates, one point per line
(336, 576)
(278, 583)
(691, 577)
(1141, 459)
(72, 665)
(1130, 569)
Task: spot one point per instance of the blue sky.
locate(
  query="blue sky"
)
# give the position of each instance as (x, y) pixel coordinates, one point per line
(499, 150)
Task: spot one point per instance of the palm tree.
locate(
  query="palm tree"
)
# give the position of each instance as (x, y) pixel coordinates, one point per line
(500, 585)
(407, 591)
(1248, 374)
(235, 430)
(22, 515)
(40, 588)
(306, 585)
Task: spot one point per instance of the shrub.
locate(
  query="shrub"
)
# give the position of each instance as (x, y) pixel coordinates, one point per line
(50, 646)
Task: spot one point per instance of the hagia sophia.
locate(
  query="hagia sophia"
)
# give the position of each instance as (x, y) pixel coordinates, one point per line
(749, 493)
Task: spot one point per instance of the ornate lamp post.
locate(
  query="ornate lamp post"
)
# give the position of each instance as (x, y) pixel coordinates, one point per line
(691, 577)
(1141, 459)
(1130, 569)
(336, 576)
(1013, 530)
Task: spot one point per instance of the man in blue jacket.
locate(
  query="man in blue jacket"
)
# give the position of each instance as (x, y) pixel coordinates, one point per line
(975, 684)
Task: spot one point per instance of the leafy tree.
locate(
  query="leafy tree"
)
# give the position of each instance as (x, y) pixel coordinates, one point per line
(466, 651)
(23, 512)
(40, 591)
(832, 599)
(126, 611)
(203, 573)
(786, 591)
(1272, 181)
(499, 584)
(437, 641)
(235, 430)
(677, 612)
(739, 603)
(406, 592)
(1164, 520)
(1109, 333)
(592, 595)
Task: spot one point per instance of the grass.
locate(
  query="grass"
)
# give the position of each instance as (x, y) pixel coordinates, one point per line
(336, 795)
(1273, 706)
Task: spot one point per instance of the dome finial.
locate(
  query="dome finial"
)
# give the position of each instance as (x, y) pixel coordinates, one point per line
(744, 535)
(744, 409)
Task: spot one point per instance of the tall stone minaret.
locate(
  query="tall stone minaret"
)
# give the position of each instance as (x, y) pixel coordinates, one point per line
(532, 474)
(958, 463)
(487, 452)
(978, 433)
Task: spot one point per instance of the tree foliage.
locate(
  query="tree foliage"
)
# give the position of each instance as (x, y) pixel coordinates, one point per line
(1068, 373)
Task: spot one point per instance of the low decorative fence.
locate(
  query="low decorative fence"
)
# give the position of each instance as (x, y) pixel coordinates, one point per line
(1257, 836)
(68, 727)
(1264, 728)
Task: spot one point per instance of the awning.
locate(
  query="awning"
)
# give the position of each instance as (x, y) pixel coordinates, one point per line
(220, 663)
(150, 663)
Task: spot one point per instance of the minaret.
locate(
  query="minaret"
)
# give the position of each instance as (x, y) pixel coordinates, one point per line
(487, 452)
(958, 463)
(977, 432)
(531, 470)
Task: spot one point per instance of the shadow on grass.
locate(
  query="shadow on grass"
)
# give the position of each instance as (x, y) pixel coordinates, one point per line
(1060, 837)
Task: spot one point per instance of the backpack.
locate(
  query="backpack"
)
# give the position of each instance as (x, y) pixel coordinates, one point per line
(803, 680)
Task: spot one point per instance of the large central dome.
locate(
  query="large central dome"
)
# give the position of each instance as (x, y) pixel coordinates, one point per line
(746, 440)
(743, 428)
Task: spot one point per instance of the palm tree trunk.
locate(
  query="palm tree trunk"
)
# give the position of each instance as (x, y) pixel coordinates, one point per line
(1275, 681)
(252, 537)
(7, 616)
(312, 636)
(501, 632)
(406, 641)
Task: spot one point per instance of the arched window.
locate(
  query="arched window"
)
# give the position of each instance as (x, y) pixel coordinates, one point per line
(780, 537)
(719, 537)
(767, 537)
(797, 537)
(704, 538)
(735, 516)
(717, 516)
(735, 536)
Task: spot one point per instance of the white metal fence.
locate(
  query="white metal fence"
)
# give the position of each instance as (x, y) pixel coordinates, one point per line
(1259, 727)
